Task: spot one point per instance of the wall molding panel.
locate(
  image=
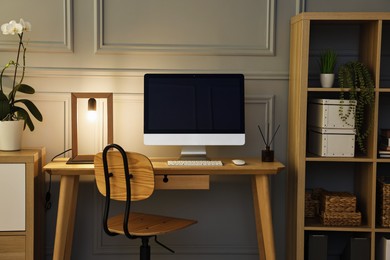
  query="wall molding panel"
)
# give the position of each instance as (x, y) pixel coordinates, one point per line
(55, 131)
(211, 44)
(108, 46)
(59, 44)
(267, 101)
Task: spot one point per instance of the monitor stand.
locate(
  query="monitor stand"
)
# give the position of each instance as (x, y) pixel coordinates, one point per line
(196, 153)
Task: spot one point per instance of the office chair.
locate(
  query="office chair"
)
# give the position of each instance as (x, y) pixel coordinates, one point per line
(129, 176)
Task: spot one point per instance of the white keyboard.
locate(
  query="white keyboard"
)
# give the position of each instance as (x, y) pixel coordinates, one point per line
(195, 163)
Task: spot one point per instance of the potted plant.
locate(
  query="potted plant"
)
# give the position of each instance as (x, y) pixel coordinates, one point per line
(13, 117)
(357, 77)
(327, 63)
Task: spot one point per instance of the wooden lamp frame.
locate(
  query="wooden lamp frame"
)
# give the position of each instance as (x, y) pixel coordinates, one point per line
(88, 158)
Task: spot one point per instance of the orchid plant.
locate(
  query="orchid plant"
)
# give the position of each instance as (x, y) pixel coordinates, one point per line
(9, 105)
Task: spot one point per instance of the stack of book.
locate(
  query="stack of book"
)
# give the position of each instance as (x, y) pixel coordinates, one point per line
(384, 143)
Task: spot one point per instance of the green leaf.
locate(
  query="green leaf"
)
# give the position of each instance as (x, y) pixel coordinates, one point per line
(24, 88)
(32, 108)
(356, 76)
(327, 61)
(4, 106)
(26, 117)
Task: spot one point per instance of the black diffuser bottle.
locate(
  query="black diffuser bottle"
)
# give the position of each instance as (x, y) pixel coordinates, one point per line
(267, 155)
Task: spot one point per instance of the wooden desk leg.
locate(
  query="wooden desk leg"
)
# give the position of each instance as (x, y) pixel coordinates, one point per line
(67, 203)
(263, 214)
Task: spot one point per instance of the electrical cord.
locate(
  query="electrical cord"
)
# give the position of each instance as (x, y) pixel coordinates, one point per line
(48, 193)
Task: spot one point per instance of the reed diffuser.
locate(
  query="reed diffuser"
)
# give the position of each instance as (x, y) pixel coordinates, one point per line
(267, 155)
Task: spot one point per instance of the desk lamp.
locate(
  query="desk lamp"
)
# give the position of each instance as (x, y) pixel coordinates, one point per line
(92, 125)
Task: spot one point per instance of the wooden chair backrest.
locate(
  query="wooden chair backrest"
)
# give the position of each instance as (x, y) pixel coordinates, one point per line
(140, 167)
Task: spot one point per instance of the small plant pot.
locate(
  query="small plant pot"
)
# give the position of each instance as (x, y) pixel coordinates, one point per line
(11, 135)
(326, 80)
(267, 155)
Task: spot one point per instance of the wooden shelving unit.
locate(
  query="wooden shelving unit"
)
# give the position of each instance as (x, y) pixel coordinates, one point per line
(354, 36)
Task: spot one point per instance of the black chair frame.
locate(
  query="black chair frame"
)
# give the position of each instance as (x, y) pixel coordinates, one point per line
(145, 248)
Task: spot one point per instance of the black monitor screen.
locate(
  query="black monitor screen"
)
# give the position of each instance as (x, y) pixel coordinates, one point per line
(194, 103)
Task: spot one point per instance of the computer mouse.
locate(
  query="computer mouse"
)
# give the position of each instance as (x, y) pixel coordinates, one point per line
(238, 162)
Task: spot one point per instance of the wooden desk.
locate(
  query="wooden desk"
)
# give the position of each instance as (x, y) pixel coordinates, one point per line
(69, 183)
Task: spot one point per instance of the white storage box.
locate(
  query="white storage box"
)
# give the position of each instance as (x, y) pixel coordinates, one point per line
(325, 113)
(332, 142)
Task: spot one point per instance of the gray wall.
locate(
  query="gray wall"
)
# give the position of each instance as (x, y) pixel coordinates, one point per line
(108, 45)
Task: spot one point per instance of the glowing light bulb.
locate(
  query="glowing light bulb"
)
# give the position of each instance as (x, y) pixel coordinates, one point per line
(92, 114)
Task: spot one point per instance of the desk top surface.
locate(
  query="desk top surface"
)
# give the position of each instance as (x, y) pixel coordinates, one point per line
(253, 166)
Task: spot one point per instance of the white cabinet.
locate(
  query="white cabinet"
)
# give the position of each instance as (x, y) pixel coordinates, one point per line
(12, 197)
(22, 205)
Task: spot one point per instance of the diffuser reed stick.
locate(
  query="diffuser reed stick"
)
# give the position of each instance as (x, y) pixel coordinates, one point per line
(268, 142)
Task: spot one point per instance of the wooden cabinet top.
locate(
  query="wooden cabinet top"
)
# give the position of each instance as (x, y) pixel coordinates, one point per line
(24, 155)
(341, 16)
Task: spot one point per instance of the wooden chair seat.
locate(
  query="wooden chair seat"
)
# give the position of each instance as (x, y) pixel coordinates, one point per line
(141, 224)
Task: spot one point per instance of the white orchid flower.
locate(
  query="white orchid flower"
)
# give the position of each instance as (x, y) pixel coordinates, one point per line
(26, 25)
(4, 28)
(12, 27)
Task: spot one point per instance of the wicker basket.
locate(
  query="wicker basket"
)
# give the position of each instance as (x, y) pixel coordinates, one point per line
(316, 193)
(312, 206)
(341, 218)
(338, 202)
(383, 202)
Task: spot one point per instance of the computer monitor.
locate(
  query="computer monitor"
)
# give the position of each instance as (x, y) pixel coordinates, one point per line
(194, 111)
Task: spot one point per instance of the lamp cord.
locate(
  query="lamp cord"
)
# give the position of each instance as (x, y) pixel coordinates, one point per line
(48, 193)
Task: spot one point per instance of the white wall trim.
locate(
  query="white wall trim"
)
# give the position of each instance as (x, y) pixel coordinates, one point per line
(93, 72)
(68, 25)
(181, 49)
(300, 6)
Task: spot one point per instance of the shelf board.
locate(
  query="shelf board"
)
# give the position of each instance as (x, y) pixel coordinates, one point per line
(338, 229)
(319, 89)
(383, 160)
(314, 224)
(382, 230)
(12, 233)
(314, 158)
